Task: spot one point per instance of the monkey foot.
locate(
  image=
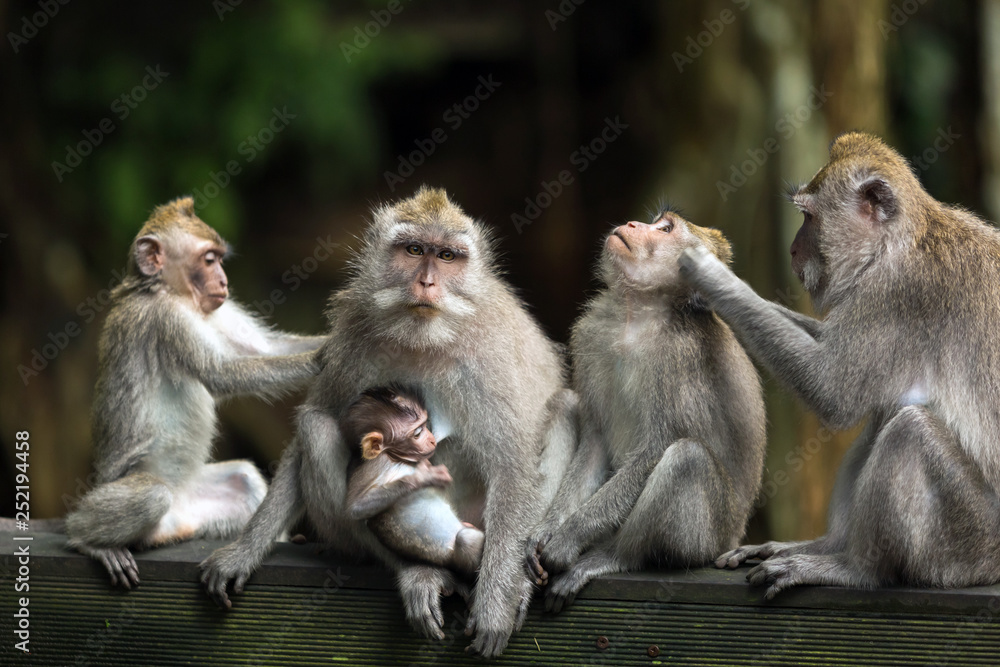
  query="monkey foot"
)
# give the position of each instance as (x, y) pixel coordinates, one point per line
(118, 561)
(733, 559)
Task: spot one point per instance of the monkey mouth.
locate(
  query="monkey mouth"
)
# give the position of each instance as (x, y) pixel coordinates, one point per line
(423, 308)
(621, 238)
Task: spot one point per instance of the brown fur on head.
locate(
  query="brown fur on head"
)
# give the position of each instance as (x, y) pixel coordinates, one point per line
(382, 418)
(863, 203)
(642, 258)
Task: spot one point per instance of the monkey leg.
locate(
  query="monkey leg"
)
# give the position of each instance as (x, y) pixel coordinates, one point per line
(216, 503)
(468, 550)
(922, 513)
(683, 514)
(115, 515)
(837, 520)
(680, 517)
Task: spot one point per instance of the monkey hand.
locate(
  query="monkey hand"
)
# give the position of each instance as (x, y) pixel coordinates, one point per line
(222, 566)
(533, 554)
(118, 561)
(433, 475)
(421, 587)
(702, 269)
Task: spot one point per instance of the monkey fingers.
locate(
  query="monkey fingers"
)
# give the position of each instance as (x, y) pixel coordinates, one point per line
(733, 559)
(421, 587)
(562, 592)
(777, 574)
(120, 564)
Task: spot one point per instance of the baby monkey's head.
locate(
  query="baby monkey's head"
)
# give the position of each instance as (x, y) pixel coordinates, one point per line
(390, 420)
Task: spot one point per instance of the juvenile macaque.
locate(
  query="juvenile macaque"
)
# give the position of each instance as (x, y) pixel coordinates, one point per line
(395, 487)
(171, 346)
(426, 307)
(910, 288)
(670, 417)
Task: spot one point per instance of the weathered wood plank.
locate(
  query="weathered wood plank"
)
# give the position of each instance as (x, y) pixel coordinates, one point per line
(306, 607)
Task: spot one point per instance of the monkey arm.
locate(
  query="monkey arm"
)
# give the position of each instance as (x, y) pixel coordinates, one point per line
(606, 510)
(790, 346)
(282, 343)
(587, 471)
(368, 496)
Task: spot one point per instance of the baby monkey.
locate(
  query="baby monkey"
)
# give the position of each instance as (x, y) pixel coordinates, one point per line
(397, 490)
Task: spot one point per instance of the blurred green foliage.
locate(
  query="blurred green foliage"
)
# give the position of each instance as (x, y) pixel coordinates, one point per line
(226, 79)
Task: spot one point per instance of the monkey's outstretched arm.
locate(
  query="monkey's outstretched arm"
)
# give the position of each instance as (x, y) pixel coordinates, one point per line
(789, 346)
(282, 343)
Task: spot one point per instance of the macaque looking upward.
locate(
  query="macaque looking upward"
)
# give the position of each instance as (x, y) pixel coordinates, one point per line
(395, 487)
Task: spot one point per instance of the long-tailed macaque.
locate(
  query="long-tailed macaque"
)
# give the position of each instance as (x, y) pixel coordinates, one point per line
(396, 489)
(670, 417)
(910, 289)
(426, 307)
(171, 346)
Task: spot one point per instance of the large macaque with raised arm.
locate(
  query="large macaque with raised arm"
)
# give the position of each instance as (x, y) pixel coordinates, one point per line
(909, 288)
(426, 307)
(172, 345)
(670, 417)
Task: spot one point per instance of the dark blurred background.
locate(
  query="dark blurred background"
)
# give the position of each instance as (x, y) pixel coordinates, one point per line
(288, 120)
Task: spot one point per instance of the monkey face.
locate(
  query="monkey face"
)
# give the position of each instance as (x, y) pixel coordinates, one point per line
(204, 276)
(412, 440)
(644, 256)
(427, 293)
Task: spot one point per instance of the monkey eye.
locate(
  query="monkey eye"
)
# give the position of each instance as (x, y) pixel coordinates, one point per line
(417, 431)
(414, 249)
(211, 257)
(446, 255)
(807, 216)
(668, 227)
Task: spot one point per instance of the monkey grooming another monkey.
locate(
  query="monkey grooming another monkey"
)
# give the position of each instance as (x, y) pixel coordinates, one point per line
(670, 416)
(910, 289)
(394, 486)
(171, 346)
(425, 306)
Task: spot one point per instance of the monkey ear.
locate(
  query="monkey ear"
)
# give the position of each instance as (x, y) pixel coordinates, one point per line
(371, 445)
(149, 255)
(878, 201)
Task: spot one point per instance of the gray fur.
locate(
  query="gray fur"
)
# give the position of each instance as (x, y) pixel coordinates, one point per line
(162, 366)
(485, 370)
(672, 432)
(909, 343)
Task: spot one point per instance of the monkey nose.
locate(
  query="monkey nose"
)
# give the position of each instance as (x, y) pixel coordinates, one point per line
(632, 223)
